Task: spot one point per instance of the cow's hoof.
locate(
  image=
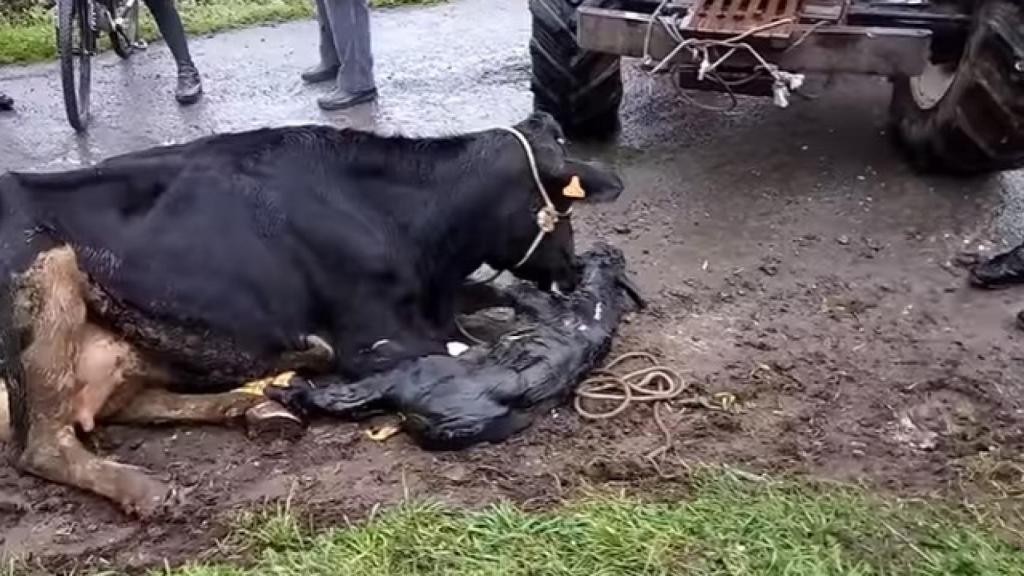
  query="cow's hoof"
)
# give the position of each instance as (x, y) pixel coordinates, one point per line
(319, 348)
(146, 497)
(270, 420)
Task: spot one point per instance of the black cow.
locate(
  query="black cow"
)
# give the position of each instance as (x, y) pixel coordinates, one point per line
(200, 266)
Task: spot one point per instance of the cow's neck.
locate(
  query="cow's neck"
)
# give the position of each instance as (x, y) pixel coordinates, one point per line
(468, 230)
(452, 196)
(453, 251)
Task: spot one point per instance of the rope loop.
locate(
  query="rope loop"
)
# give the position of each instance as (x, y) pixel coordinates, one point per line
(653, 383)
(548, 216)
(547, 219)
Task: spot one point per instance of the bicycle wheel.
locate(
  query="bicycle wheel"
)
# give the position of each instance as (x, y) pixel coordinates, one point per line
(76, 43)
(125, 33)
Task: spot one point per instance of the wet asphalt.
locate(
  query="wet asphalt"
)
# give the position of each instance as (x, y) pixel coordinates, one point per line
(464, 65)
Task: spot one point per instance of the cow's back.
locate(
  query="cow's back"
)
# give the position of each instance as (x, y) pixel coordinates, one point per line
(260, 236)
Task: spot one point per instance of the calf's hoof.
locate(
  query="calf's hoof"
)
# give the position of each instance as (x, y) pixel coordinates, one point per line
(270, 420)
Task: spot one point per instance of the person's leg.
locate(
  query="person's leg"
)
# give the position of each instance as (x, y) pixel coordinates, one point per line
(327, 68)
(168, 20)
(350, 26)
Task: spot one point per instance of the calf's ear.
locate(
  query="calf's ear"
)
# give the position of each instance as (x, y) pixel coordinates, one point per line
(592, 182)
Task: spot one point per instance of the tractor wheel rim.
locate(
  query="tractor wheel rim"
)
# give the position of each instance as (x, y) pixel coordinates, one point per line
(932, 85)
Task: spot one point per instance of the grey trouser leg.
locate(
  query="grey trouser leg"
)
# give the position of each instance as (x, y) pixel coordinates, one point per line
(328, 54)
(345, 40)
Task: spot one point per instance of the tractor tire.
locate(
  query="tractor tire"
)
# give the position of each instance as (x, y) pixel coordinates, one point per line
(969, 120)
(581, 89)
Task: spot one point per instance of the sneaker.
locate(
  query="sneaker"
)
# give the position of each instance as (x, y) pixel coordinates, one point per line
(190, 87)
(1001, 270)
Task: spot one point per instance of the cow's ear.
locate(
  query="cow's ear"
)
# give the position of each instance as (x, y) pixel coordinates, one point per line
(542, 124)
(590, 182)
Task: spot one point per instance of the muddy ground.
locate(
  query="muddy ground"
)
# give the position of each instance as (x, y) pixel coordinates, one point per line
(790, 257)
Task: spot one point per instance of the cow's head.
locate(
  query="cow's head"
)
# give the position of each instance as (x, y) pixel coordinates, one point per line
(567, 181)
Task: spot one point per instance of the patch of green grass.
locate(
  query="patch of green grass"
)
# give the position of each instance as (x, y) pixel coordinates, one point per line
(31, 37)
(726, 525)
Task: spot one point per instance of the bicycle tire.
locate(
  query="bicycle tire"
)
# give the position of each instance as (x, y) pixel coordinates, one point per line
(124, 39)
(72, 15)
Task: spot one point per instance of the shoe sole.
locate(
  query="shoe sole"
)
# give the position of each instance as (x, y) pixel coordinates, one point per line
(350, 104)
(189, 100)
(320, 77)
(319, 80)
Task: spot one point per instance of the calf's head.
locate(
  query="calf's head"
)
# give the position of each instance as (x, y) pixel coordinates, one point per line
(567, 181)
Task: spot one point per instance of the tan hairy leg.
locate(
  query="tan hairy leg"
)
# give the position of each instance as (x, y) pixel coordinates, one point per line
(158, 406)
(52, 293)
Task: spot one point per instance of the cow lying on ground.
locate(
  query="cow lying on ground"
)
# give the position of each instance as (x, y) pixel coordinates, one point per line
(150, 285)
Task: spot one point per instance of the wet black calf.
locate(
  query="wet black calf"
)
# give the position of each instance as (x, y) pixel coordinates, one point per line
(488, 394)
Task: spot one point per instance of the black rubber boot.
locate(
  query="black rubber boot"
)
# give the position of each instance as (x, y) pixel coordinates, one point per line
(1002, 270)
(6, 102)
(190, 86)
(342, 99)
(320, 73)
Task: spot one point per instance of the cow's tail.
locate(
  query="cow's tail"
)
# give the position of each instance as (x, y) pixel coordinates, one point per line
(12, 373)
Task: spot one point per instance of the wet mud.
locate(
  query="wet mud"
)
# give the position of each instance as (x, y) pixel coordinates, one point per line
(790, 259)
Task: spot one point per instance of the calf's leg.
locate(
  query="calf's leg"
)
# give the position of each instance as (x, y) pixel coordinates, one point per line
(49, 303)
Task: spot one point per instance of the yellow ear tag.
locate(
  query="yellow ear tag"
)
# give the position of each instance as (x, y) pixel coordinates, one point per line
(574, 189)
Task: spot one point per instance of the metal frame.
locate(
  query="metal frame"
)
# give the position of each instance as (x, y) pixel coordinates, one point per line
(824, 40)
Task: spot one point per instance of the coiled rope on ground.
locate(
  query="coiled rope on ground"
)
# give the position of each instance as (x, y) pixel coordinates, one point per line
(655, 383)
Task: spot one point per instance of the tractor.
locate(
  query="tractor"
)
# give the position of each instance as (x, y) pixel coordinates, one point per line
(956, 66)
